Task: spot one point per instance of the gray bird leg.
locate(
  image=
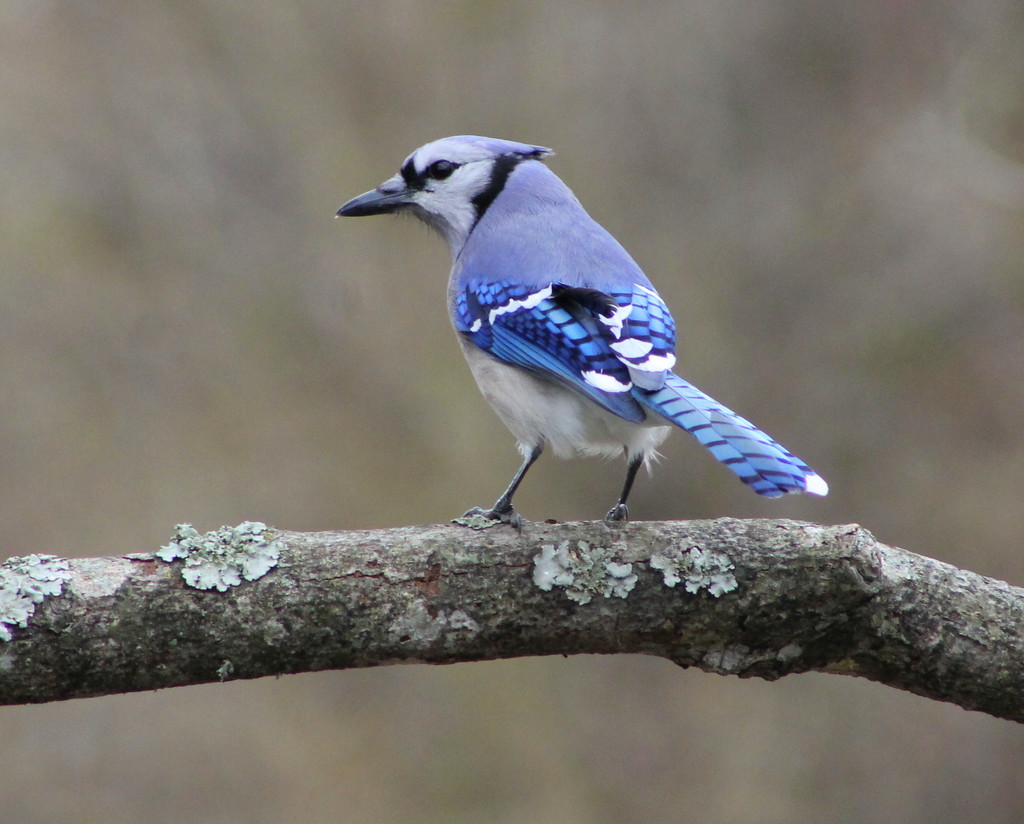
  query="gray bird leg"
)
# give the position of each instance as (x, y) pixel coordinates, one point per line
(502, 509)
(620, 512)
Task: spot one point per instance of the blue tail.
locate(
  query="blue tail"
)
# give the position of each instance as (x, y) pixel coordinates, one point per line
(766, 466)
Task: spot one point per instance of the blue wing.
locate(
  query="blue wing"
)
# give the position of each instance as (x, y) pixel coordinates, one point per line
(600, 344)
(617, 348)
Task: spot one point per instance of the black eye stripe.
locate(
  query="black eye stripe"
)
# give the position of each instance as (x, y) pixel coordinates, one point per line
(409, 174)
(438, 170)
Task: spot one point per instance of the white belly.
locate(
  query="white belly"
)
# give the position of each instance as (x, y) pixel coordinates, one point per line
(541, 412)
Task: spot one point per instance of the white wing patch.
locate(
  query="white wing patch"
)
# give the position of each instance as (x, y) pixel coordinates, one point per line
(655, 363)
(631, 348)
(616, 319)
(647, 369)
(529, 302)
(606, 383)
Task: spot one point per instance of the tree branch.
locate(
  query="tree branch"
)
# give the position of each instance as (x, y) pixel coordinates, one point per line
(750, 598)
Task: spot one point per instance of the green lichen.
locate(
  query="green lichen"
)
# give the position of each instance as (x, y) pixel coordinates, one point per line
(583, 571)
(223, 557)
(477, 521)
(419, 625)
(26, 582)
(698, 569)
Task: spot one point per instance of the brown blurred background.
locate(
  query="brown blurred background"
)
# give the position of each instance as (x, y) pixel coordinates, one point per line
(830, 198)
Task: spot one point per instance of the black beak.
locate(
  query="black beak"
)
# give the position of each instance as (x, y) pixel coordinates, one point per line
(390, 196)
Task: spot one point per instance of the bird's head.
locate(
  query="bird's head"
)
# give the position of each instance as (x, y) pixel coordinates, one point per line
(448, 184)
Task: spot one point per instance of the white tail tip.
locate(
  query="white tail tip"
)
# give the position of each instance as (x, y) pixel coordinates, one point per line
(815, 485)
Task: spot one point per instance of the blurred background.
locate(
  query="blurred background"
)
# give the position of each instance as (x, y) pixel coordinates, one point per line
(830, 198)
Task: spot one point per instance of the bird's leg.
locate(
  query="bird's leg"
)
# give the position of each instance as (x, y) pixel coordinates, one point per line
(620, 512)
(502, 509)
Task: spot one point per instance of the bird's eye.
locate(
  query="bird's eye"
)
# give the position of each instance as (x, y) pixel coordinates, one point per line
(440, 169)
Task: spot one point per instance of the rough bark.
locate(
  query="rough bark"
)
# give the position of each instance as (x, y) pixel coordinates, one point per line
(750, 598)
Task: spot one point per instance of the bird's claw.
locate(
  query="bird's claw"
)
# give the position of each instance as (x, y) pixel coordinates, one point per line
(503, 515)
(618, 514)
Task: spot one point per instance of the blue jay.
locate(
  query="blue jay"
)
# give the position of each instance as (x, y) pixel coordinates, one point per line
(565, 335)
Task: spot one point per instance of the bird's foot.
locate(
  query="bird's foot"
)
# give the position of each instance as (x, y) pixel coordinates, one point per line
(618, 514)
(479, 518)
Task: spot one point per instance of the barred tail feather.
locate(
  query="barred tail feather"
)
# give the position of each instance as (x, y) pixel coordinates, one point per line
(766, 466)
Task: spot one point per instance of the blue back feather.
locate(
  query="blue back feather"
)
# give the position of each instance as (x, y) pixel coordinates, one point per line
(538, 284)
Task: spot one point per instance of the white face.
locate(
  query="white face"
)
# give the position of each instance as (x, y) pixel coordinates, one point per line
(444, 177)
(448, 184)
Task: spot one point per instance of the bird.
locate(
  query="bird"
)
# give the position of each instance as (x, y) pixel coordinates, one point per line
(567, 338)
